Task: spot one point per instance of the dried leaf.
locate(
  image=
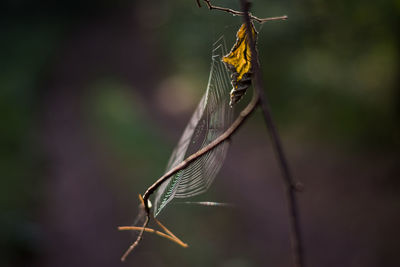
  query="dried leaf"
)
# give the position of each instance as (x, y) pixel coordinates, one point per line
(239, 63)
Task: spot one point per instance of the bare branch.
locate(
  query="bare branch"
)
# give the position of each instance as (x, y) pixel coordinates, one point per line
(171, 234)
(223, 137)
(258, 98)
(132, 247)
(244, 114)
(240, 13)
(290, 185)
(198, 3)
(149, 230)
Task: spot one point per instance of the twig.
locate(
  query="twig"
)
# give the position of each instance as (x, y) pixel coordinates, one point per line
(290, 186)
(149, 230)
(129, 250)
(168, 234)
(240, 13)
(198, 3)
(224, 136)
(244, 114)
(171, 234)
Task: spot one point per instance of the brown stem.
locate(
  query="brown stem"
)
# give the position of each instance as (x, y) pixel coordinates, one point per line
(240, 13)
(180, 242)
(290, 186)
(244, 114)
(198, 3)
(129, 250)
(223, 137)
(149, 230)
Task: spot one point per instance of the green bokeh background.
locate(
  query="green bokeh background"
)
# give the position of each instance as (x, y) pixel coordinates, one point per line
(94, 95)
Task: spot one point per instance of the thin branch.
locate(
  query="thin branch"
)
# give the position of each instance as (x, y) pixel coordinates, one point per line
(168, 234)
(129, 250)
(290, 186)
(244, 114)
(240, 13)
(180, 242)
(149, 230)
(223, 137)
(198, 3)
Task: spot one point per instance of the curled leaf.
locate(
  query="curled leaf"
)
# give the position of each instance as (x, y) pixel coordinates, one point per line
(239, 63)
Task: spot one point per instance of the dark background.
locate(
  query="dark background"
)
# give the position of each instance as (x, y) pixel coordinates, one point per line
(94, 95)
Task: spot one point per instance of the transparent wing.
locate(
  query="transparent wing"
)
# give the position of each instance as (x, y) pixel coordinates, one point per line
(210, 119)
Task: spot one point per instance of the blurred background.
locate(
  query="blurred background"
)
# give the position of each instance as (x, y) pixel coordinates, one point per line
(95, 94)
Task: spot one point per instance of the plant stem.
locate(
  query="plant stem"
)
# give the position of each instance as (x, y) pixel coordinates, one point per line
(239, 13)
(290, 186)
(223, 137)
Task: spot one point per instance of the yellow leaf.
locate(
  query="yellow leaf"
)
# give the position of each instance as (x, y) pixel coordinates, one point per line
(239, 63)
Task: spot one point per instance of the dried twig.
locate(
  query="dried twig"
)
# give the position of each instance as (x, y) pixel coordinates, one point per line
(290, 185)
(223, 137)
(244, 114)
(239, 13)
(149, 230)
(134, 244)
(258, 99)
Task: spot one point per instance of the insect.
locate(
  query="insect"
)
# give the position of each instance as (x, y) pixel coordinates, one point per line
(211, 118)
(239, 63)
